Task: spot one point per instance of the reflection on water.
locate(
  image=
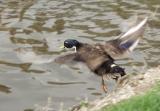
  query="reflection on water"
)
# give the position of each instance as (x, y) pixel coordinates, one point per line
(31, 32)
(64, 83)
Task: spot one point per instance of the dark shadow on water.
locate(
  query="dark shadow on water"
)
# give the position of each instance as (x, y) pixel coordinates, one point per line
(5, 89)
(24, 67)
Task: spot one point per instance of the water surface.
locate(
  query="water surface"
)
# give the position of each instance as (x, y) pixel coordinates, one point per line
(31, 32)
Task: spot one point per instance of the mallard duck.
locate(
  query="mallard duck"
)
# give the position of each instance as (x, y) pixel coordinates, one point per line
(100, 57)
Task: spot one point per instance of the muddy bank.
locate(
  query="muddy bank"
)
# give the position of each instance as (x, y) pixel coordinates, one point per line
(131, 86)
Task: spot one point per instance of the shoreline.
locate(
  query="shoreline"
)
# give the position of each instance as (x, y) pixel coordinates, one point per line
(135, 85)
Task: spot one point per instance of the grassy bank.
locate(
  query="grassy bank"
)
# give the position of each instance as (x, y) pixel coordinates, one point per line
(150, 101)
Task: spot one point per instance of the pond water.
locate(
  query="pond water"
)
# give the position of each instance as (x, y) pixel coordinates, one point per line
(31, 32)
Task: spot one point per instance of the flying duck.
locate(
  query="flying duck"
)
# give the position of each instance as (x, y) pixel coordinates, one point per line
(100, 58)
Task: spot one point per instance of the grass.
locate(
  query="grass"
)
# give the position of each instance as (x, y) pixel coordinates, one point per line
(150, 101)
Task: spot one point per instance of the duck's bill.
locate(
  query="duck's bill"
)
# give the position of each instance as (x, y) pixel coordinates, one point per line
(62, 47)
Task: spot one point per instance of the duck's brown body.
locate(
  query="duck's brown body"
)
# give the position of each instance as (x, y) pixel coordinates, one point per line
(92, 56)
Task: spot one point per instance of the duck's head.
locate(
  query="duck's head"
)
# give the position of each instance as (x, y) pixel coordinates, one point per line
(71, 43)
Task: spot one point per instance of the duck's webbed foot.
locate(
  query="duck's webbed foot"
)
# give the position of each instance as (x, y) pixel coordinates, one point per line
(123, 80)
(104, 87)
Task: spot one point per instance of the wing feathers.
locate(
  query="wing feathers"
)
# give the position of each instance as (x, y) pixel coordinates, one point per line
(127, 42)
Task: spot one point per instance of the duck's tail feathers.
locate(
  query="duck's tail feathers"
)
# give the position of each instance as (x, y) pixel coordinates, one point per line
(130, 39)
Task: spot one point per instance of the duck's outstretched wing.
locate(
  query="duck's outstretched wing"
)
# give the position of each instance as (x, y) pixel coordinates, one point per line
(66, 58)
(124, 44)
